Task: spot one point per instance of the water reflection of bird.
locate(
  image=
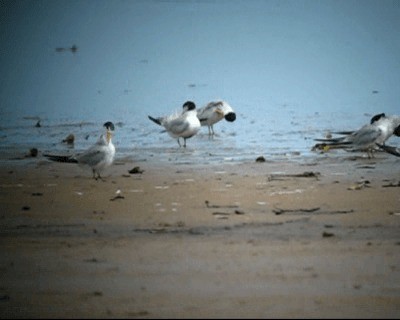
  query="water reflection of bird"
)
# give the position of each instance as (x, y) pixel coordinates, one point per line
(73, 49)
(97, 157)
(380, 129)
(214, 112)
(181, 125)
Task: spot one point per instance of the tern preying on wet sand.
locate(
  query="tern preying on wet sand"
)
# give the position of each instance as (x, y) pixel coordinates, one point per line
(181, 125)
(367, 137)
(214, 112)
(97, 157)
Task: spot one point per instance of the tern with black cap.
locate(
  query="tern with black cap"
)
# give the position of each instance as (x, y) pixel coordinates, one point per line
(98, 157)
(181, 125)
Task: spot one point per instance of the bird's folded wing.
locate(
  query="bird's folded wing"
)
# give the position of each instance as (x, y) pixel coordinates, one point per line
(177, 126)
(366, 136)
(92, 156)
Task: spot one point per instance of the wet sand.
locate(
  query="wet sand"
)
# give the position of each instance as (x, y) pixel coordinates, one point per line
(250, 240)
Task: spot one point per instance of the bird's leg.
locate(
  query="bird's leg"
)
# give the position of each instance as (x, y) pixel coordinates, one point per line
(179, 142)
(184, 142)
(99, 177)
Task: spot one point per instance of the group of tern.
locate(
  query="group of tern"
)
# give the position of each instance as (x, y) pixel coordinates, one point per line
(187, 123)
(183, 124)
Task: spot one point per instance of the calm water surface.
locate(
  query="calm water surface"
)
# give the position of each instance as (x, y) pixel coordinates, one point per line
(278, 133)
(292, 70)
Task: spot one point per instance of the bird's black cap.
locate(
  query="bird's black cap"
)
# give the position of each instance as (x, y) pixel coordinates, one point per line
(230, 116)
(396, 131)
(189, 105)
(109, 125)
(377, 117)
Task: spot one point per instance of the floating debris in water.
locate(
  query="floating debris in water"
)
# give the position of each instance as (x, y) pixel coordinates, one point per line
(260, 159)
(69, 139)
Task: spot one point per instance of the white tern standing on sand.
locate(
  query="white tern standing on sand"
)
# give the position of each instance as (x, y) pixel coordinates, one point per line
(97, 157)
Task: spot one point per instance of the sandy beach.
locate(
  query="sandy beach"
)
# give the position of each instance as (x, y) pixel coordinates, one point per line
(249, 240)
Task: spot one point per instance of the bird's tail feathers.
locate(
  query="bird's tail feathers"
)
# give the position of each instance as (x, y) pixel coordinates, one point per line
(56, 158)
(333, 141)
(343, 132)
(158, 121)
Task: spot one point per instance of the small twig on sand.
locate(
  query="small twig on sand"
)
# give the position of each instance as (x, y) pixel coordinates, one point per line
(306, 174)
(391, 185)
(279, 211)
(215, 206)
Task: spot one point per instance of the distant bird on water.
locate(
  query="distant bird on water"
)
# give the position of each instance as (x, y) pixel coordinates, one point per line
(181, 125)
(73, 49)
(97, 157)
(214, 112)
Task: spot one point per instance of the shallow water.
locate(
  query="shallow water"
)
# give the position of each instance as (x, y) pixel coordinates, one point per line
(289, 136)
(290, 69)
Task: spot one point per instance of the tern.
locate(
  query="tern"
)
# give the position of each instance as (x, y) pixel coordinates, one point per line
(214, 112)
(181, 125)
(98, 157)
(367, 137)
